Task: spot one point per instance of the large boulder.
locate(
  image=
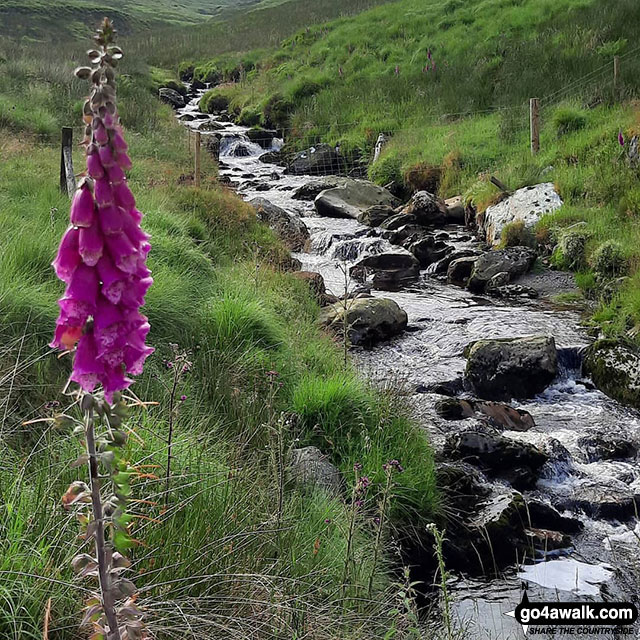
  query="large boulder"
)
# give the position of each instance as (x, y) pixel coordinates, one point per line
(459, 270)
(320, 160)
(427, 208)
(310, 190)
(368, 320)
(309, 467)
(352, 199)
(507, 368)
(388, 271)
(263, 137)
(497, 455)
(526, 205)
(289, 228)
(615, 369)
(171, 97)
(376, 215)
(514, 261)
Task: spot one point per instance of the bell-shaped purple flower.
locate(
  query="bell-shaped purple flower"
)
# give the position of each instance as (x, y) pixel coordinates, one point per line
(94, 165)
(82, 207)
(111, 220)
(68, 257)
(123, 196)
(91, 245)
(123, 253)
(87, 370)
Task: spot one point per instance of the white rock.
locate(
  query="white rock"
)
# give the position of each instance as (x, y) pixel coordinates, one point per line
(528, 204)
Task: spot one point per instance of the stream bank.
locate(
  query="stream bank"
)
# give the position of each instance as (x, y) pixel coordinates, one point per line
(584, 484)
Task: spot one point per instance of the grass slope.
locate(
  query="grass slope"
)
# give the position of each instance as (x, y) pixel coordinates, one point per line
(227, 557)
(449, 81)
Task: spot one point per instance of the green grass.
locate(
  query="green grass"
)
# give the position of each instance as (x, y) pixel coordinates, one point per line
(214, 562)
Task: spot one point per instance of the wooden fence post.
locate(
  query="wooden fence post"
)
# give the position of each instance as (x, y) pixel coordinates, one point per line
(616, 71)
(197, 164)
(534, 119)
(67, 177)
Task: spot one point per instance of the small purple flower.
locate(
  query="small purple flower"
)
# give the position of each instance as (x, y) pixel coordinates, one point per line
(183, 398)
(357, 466)
(620, 139)
(429, 53)
(327, 520)
(376, 521)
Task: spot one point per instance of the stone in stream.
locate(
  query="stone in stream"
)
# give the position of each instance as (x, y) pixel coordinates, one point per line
(513, 291)
(310, 190)
(271, 157)
(525, 205)
(429, 250)
(352, 198)
(375, 215)
(399, 220)
(428, 209)
(443, 265)
(320, 160)
(515, 261)
(506, 368)
(455, 209)
(543, 516)
(388, 271)
(263, 137)
(459, 270)
(603, 446)
(614, 368)
(289, 228)
(602, 498)
(309, 467)
(171, 97)
(499, 414)
(500, 457)
(368, 320)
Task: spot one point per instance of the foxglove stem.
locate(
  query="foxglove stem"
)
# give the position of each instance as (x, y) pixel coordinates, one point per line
(104, 575)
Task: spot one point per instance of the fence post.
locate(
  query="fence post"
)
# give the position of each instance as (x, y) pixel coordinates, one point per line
(616, 71)
(534, 119)
(67, 177)
(197, 164)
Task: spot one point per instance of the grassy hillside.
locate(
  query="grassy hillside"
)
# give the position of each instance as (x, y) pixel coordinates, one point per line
(238, 549)
(450, 82)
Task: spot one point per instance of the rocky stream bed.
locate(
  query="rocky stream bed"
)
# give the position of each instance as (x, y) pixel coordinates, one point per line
(540, 467)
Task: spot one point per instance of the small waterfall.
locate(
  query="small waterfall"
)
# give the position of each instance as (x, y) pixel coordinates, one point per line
(239, 146)
(570, 362)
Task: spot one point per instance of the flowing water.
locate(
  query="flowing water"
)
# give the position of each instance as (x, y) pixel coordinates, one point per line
(443, 319)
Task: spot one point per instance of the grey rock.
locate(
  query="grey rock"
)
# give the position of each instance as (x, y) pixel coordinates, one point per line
(319, 160)
(171, 97)
(289, 228)
(376, 215)
(352, 199)
(428, 209)
(515, 261)
(511, 367)
(459, 271)
(309, 467)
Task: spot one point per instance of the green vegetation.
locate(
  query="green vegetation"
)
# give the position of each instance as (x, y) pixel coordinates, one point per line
(238, 545)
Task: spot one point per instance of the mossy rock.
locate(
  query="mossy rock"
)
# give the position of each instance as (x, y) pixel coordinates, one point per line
(615, 369)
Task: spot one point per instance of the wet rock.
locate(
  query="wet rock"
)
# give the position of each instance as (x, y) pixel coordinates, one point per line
(504, 415)
(526, 205)
(388, 271)
(241, 151)
(311, 190)
(427, 208)
(352, 199)
(320, 160)
(454, 408)
(500, 457)
(271, 157)
(429, 250)
(447, 388)
(442, 265)
(611, 500)
(374, 216)
(463, 484)
(511, 367)
(543, 516)
(211, 125)
(198, 85)
(499, 280)
(289, 228)
(171, 97)
(368, 320)
(459, 271)
(399, 220)
(186, 117)
(263, 137)
(405, 235)
(601, 446)
(514, 261)
(455, 210)
(309, 467)
(350, 249)
(614, 368)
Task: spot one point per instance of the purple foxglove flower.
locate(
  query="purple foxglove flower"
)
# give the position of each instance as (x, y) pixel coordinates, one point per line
(100, 135)
(68, 257)
(82, 207)
(123, 253)
(103, 192)
(94, 166)
(106, 156)
(123, 196)
(91, 245)
(119, 143)
(116, 175)
(124, 161)
(111, 220)
(102, 258)
(87, 371)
